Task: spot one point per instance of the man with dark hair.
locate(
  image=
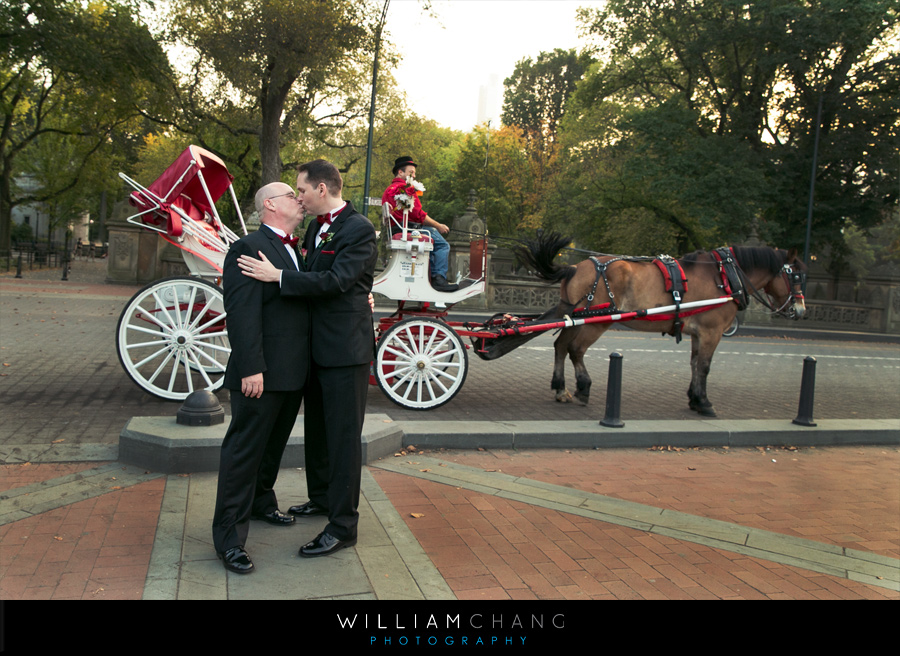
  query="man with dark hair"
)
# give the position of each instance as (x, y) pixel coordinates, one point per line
(340, 266)
(404, 185)
(266, 373)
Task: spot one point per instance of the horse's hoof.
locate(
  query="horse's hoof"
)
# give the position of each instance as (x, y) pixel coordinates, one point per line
(706, 409)
(563, 397)
(582, 399)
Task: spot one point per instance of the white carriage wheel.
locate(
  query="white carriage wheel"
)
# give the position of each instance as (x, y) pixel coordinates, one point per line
(171, 337)
(732, 327)
(420, 363)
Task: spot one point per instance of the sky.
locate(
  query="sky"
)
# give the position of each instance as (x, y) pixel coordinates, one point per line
(469, 44)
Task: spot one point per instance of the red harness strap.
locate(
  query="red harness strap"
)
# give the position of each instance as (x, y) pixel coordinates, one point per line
(676, 284)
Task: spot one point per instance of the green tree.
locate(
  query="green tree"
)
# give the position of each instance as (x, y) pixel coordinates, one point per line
(269, 73)
(711, 110)
(71, 74)
(535, 96)
(495, 163)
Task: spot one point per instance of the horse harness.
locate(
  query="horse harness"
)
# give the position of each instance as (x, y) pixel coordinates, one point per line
(732, 276)
(733, 283)
(733, 279)
(673, 277)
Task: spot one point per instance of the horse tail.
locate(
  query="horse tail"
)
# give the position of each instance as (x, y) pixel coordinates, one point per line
(538, 254)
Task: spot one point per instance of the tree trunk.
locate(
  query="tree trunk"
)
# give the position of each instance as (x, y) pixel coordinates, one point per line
(5, 213)
(270, 138)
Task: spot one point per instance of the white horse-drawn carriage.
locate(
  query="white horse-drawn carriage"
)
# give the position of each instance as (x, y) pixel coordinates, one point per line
(171, 336)
(172, 340)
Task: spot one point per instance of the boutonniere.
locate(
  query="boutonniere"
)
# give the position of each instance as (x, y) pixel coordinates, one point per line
(327, 237)
(303, 252)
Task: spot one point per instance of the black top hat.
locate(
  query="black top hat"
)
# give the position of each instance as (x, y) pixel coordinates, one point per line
(401, 162)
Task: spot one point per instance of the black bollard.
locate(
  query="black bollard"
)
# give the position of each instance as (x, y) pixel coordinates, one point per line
(807, 392)
(613, 393)
(19, 267)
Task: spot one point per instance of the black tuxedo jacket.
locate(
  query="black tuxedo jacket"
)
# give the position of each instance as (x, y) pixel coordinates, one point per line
(337, 280)
(269, 332)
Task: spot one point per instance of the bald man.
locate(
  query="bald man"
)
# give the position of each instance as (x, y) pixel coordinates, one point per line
(266, 374)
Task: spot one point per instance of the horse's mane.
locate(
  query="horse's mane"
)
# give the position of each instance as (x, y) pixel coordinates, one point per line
(750, 258)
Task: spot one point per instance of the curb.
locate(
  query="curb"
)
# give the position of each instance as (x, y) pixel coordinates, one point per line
(160, 444)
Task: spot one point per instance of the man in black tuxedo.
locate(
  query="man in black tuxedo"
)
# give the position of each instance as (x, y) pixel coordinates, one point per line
(340, 266)
(266, 373)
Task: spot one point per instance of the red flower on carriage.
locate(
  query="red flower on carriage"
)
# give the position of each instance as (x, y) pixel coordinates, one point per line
(414, 187)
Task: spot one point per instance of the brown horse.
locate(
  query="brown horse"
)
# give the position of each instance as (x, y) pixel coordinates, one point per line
(611, 284)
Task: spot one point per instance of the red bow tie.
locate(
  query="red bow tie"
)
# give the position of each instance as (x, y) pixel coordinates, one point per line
(325, 218)
(291, 241)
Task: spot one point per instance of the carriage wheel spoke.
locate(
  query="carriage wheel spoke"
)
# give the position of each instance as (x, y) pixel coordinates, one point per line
(149, 331)
(204, 341)
(186, 320)
(192, 354)
(404, 356)
(199, 350)
(404, 378)
(152, 357)
(161, 366)
(446, 375)
(161, 306)
(212, 321)
(155, 342)
(147, 315)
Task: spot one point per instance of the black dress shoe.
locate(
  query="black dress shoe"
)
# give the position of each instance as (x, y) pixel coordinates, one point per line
(440, 284)
(236, 560)
(275, 517)
(323, 545)
(308, 509)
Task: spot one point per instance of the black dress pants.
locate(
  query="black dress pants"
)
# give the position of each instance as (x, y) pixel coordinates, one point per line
(334, 413)
(249, 462)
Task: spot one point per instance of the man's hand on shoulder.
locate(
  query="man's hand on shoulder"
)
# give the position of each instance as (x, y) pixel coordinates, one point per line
(261, 269)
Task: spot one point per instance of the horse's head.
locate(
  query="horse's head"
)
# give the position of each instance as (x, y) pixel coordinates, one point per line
(786, 287)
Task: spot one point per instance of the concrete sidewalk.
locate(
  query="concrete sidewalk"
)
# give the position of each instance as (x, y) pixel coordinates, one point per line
(721, 509)
(691, 523)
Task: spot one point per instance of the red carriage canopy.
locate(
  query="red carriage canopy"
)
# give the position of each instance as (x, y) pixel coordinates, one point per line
(182, 185)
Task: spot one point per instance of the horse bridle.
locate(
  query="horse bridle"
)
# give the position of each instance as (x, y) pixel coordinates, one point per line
(792, 278)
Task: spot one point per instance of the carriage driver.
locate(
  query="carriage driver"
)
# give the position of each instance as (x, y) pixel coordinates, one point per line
(405, 171)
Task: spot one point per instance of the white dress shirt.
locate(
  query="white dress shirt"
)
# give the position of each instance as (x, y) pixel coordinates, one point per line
(281, 233)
